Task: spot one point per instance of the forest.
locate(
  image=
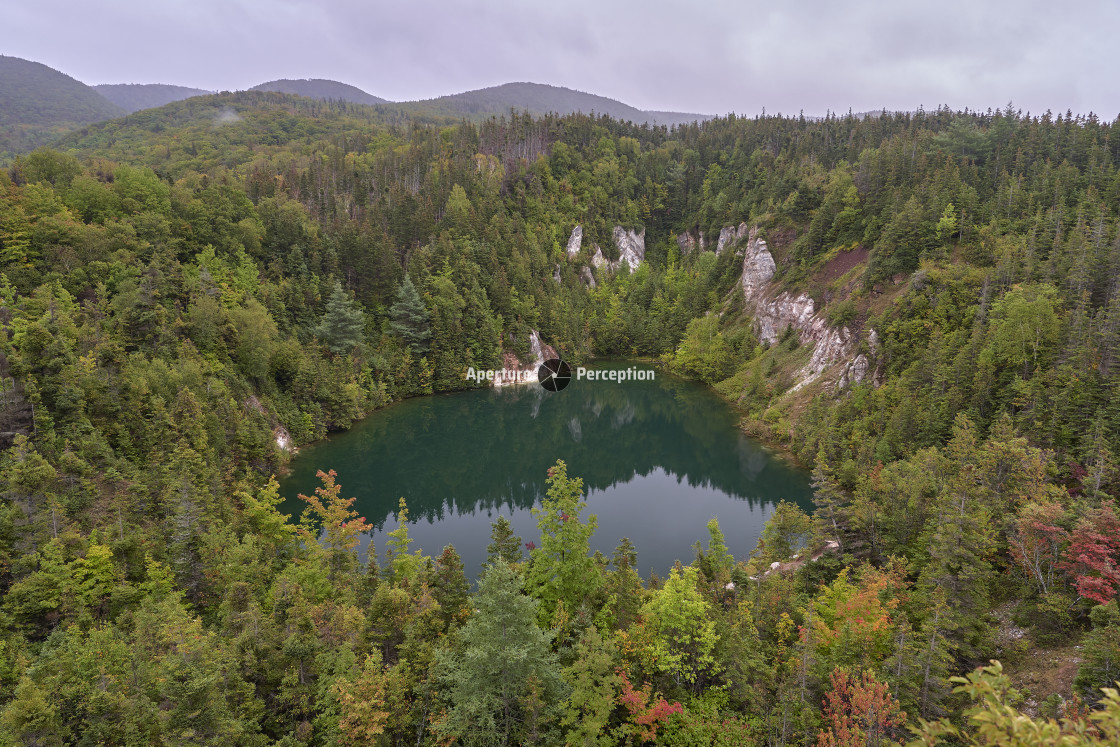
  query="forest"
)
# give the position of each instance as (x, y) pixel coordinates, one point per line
(183, 287)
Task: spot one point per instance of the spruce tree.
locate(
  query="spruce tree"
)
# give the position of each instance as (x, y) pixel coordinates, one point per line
(504, 544)
(342, 324)
(409, 317)
(503, 659)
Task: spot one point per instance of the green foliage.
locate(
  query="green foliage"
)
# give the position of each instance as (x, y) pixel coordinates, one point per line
(561, 571)
(410, 317)
(164, 285)
(704, 353)
(993, 719)
(343, 323)
(786, 532)
(1100, 666)
(38, 102)
(680, 635)
(502, 681)
(504, 544)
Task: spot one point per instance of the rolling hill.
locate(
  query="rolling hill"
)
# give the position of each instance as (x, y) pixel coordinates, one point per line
(132, 97)
(539, 98)
(318, 88)
(38, 103)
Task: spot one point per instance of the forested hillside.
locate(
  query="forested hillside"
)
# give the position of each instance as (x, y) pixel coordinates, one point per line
(38, 103)
(539, 99)
(317, 88)
(133, 97)
(187, 288)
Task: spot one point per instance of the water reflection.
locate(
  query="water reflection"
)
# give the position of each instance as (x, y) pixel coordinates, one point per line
(658, 459)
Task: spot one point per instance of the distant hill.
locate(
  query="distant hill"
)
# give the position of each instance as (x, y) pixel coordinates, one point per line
(38, 103)
(538, 98)
(317, 88)
(132, 97)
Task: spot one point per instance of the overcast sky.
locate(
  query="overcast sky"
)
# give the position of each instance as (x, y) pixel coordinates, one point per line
(707, 57)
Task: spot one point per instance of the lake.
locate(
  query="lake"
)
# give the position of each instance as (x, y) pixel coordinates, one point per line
(658, 459)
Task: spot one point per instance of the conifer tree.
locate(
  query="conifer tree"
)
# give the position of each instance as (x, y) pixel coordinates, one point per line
(502, 657)
(343, 323)
(504, 544)
(409, 317)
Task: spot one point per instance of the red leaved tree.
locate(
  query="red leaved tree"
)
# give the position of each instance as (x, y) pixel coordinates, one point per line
(859, 712)
(1093, 555)
(646, 713)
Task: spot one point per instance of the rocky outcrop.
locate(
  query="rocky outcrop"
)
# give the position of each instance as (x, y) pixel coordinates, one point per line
(631, 250)
(575, 241)
(540, 352)
(689, 243)
(758, 269)
(855, 372)
(775, 312)
(598, 260)
(731, 235)
(283, 440)
(631, 246)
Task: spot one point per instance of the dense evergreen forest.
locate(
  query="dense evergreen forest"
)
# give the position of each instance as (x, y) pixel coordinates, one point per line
(185, 289)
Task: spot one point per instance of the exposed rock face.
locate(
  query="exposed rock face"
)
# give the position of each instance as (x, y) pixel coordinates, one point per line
(283, 439)
(575, 241)
(730, 235)
(855, 372)
(758, 269)
(631, 250)
(631, 246)
(598, 260)
(540, 351)
(774, 313)
(689, 243)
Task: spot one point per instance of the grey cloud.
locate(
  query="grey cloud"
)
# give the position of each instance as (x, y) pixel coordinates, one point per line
(658, 54)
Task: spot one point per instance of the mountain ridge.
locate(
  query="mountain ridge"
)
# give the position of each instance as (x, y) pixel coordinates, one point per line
(31, 118)
(37, 103)
(134, 97)
(543, 98)
(320, 88)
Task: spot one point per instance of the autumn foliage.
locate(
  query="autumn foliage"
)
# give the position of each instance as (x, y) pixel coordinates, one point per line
(647, 713)
(1093, 555)
(859, 711)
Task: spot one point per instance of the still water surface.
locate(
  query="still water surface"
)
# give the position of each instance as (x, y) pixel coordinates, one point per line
(658, 460)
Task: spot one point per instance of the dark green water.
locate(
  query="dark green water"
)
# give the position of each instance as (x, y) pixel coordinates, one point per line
(658, 460)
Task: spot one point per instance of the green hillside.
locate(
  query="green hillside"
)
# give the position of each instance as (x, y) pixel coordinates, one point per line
(185, 289)
(317, 88)
(38, 103)
(133, 97)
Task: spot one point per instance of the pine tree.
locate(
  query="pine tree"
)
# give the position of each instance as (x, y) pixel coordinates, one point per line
(504, 544)
(409, 317)
(343, 323)
(502, 657)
